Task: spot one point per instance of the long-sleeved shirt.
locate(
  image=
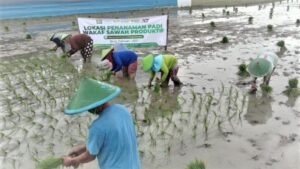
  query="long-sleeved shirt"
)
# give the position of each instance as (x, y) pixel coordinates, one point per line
(169, 61)
(122, 58)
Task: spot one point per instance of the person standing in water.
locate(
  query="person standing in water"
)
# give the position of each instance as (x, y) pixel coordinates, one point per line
(111, 136)
(263, 66)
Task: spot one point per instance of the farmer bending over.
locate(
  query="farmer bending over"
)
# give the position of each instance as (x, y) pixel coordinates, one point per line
(263, 66)
(111, 138)
(164, 63)
(71, 44)
(121, 58)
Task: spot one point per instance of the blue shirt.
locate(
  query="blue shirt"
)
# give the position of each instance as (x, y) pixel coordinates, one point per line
(112, 139)
(122, 58)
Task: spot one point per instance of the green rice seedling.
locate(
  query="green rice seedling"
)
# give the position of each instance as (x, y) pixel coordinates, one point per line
(28, 36)
(298, 22)
(212, 24)
(224, 40)
(243, 70)
(6, 28)
(270, 28)
(229, 101)
(203, 15)
(224, 11)
(266, 88)
(157, 86)
(24, 23)
(292, 89)
(196, 164)
(49, 163)
(293, 83)
(281, 44)
(250, 20)
(73, 23)
(194, 96)
(227, 13)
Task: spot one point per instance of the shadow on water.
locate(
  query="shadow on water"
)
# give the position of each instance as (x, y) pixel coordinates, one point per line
(259, 109)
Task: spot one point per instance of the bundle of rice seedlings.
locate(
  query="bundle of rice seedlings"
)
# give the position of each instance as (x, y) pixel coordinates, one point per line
(266, 88)
(243, 70)
(250, 20)
(203, 16)
(50, 163)
(292, 88)
(224, 40)
(73, 23)
(298, 21)
(24, 23)
(270, 28)
(227, 13)
(6, 28)
(280, 44)
(196, 164)
(157, 86)
(212, 24)
(293, 83)
(28, 36)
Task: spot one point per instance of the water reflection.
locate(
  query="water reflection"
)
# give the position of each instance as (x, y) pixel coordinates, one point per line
(259, 109)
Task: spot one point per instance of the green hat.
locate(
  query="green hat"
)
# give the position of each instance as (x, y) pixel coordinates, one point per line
(147, 62)
(91, 94)
(259, 67)
(105, 52)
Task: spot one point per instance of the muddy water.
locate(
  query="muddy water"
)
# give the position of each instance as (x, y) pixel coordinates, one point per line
(209, 118)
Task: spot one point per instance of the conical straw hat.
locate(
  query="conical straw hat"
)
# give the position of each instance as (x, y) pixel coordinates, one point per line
(105, 53)
(91, 94)
(259, 67)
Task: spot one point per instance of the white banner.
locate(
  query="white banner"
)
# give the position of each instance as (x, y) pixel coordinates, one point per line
(146, 31)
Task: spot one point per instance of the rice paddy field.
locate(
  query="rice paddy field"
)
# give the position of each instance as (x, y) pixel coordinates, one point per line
(211, 117)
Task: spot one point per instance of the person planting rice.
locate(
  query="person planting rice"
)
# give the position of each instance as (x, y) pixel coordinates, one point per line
(70, 44)
(263, 66)
(164, 63)
(111, 136)
(121, 58)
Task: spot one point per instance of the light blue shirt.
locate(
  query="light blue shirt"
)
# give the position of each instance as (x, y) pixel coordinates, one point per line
(112, 139)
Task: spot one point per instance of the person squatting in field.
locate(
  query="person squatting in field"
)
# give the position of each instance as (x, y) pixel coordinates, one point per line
(121, 58)
(164, 63)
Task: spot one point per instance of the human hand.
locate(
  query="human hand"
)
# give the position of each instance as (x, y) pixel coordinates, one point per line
(69, 161)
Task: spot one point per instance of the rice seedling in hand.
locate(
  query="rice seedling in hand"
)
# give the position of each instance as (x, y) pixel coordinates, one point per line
(212, 24)
(266, 88)
(50, 163)
(196, 164)
(243, 70)
(157, 86)
(224, 40)
(28, 36)
(270, 28)
(250, 20)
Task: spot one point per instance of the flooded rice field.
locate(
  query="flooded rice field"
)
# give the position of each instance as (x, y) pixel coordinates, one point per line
(210, 118)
